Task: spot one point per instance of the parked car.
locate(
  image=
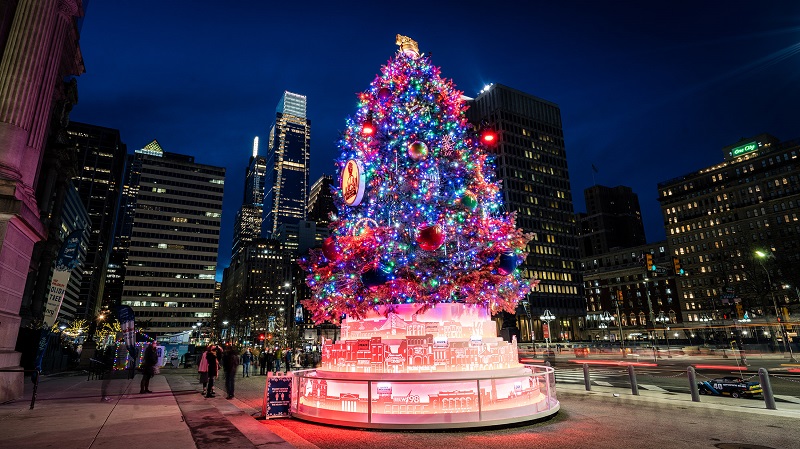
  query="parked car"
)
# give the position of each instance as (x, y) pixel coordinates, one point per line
(729, 386)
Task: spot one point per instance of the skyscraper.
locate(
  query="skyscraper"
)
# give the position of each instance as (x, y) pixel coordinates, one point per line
(532, 164)
(612, 220)
(247, 225)
(101, 162)
(320, 201)
(173, 215)
(287, 164)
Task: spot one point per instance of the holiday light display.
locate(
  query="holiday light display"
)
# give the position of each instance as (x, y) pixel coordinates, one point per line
(420, 217)
(420, 256)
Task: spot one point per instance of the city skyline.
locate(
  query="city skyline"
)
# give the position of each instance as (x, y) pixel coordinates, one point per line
(647, 92)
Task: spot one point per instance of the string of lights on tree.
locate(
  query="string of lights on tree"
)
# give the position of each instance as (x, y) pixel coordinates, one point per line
(419, 210)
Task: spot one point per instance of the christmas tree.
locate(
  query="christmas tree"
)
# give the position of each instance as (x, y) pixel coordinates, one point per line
(420, 217)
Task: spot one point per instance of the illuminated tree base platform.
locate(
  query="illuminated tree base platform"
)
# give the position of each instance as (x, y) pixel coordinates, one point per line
(425, 401)
(445, 368)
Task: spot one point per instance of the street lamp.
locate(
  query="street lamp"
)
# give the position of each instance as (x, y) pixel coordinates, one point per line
(663, 319)
(547, 317)
(761, 256)
(606, 320)
(224, 329)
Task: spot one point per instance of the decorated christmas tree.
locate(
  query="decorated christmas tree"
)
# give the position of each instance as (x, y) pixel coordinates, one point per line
(420, 215)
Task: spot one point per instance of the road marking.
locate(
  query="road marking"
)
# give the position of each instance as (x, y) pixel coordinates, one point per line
(792, 399)
(651, 387)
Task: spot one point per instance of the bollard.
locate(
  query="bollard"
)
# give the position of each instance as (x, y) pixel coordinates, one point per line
(634, 385)
(693, 384)
(586, 380)
(766, 388)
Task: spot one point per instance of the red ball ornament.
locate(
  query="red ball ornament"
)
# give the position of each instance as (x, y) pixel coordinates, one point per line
(430, 238)
(384, 94)
(368, 128)
(418, 151)
(329, 249)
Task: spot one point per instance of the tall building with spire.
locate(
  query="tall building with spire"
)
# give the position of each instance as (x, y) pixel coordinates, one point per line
(248, 222)
(170, 237)
(287, 164)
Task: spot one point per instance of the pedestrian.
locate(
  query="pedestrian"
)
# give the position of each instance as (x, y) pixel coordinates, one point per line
(212, 357)
(262, 362)
(149, 362)
(276, 365)
(202, 369)
(288, 359)
(230, 362)
(246, 359)
(255, 354)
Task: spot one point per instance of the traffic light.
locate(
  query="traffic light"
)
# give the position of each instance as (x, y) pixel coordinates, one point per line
(676, 265)
(261, 337)
(649, 262)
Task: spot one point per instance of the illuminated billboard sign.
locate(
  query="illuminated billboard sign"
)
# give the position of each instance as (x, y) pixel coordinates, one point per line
(743, 149)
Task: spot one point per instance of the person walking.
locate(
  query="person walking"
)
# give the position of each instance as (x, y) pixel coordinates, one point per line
(230, 362)
(202, 368)
(213, 370)
(287, 356)
(149, 362)
(262, 362)
(276, 365)
(246, 359)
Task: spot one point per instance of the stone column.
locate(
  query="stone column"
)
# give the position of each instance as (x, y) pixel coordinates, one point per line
(27, 61)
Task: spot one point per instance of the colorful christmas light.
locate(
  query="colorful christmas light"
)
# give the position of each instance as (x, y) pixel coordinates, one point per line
(430, 227)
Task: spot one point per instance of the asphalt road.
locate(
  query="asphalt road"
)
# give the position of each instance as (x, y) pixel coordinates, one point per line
(671, 374)
(582, 423)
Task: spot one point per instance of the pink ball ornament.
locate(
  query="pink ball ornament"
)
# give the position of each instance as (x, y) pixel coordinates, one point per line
(430, 238)
(418, 151)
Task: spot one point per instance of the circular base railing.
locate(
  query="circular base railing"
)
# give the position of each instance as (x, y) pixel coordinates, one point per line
(437, 400)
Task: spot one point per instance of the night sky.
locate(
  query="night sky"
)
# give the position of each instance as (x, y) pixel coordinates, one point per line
(648, 91)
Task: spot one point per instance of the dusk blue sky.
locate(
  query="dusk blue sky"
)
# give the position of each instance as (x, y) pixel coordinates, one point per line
(648, 91)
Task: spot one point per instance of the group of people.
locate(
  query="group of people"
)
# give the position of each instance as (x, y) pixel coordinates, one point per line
(216, 359)
(211, 362)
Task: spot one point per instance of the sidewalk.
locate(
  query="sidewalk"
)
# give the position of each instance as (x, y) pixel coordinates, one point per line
(70, 413)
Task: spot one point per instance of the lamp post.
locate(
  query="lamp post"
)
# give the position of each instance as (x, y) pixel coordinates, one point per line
(663, 319)
(224, 329)
(761, 256)
(547, 317)
(606, 320)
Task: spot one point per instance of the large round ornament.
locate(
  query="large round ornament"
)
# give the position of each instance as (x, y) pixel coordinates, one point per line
(384, 94)
(353, 182)
(329, 249)
(508, 263)
(418, 151)
(469, 200)
(430, 238)
(374, 277)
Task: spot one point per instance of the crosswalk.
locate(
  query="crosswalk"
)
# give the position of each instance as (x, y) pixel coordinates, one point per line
(600, 377)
